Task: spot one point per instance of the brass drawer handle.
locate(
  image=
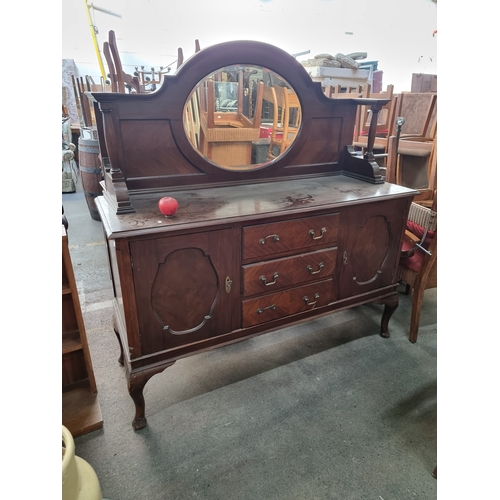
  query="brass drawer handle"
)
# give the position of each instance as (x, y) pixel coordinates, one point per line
(263, 279)
(306, 299)
(275, 237)
(320, 266)
(260, 310)
(323, 231)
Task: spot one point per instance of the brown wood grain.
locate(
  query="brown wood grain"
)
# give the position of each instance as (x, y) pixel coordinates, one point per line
(290, 271)
(279, 237)
(277, 305)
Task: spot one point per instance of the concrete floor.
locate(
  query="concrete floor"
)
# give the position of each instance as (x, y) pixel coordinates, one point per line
(325, 410)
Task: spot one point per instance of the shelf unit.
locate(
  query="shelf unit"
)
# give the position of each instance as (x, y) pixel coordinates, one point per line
(81, 412)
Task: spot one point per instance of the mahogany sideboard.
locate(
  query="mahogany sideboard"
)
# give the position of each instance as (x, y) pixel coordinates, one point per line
(253, 247)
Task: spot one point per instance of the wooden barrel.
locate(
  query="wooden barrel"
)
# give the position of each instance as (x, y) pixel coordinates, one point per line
(90, 173)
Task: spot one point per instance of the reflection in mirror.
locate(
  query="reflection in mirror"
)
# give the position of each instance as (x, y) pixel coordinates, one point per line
(242, 117)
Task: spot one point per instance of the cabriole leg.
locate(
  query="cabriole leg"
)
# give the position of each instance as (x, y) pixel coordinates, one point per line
(136, 383)
(391, 304)
(115, 328)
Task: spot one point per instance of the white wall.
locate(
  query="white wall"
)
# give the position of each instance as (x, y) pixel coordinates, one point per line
(398, 34)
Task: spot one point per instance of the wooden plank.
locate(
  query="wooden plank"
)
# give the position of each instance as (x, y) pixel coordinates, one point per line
(71, 342)
(81, 412)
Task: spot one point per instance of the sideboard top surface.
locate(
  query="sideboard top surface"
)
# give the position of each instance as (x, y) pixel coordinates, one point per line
(212, 206)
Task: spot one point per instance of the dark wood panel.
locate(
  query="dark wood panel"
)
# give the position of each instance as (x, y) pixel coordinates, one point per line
(184, 291)
(150, 150)
(180, 288)
(73, 368)
(318, 151)
(371, 237)
(265, 277)
(311, 296)
(278, 237)
(239, 335)
(277, 305)
(69, 319)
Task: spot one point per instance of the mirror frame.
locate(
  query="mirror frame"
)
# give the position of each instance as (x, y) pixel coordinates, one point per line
(240, 53)
(251, 128)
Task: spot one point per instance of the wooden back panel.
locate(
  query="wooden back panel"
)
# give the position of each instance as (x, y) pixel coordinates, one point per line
(149, 149)
(419, 111)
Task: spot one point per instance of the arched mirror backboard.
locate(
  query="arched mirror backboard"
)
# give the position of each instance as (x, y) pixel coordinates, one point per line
(242, 117)
(235, 112)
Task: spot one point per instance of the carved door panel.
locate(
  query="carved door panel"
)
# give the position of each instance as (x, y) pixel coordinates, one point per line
(181, 289)
(370, 246)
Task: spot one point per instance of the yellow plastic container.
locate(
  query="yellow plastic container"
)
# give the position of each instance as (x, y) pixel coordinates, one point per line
(79, 480)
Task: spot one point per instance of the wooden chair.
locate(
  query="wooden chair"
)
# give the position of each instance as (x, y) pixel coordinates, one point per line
(226, 136)
(418, 264)
(117, 76)
(93, 87)
(385, 116)
(86, 115)
(180, 53)
(335, 91)
(191, 115)
(277, 109)
(385, 122)
(412, 162)
(419, 111)
(191, 119)
(292, 116)
(287, 116)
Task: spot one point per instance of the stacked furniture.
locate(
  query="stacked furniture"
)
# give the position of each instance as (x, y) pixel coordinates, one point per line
(385, 123)
(226, 136)
(286, 118)
(339, 92)
(412, 150)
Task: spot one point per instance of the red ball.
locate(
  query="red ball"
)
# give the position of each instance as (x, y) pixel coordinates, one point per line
(168, 206)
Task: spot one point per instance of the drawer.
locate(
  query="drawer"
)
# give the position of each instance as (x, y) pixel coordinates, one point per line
(279, 237)
(266, 277)
(280, 304)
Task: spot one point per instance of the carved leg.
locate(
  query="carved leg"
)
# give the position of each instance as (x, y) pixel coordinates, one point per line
(135, 388)
(136, 383)
(391, 304)
(115, 328)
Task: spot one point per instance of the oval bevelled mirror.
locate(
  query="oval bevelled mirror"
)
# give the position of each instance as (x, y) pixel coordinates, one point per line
(242, 117)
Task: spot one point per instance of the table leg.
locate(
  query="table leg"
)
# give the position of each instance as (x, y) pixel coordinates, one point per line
(391, 304)
(136, 383)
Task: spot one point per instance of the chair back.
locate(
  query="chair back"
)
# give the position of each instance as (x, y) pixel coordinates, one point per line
(419, 111)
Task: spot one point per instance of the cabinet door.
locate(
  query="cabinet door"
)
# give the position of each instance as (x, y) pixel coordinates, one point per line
(370, 246)
(180, 287)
